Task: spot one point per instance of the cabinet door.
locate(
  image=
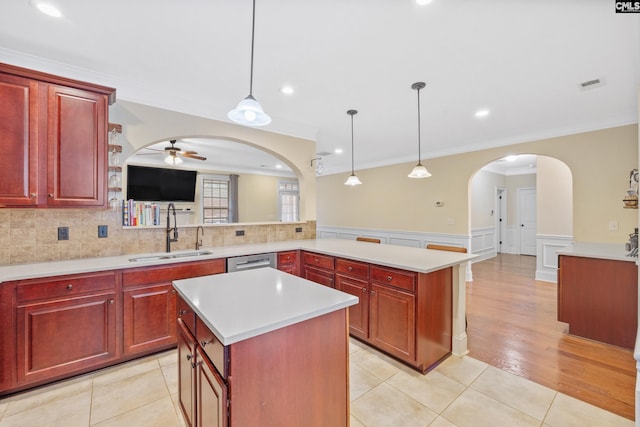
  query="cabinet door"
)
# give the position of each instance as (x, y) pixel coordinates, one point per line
(65, 336)
(392, 326)
(149, 318)
(186, 374)
(19, 137)
(322, 277)
(77, 147)
(211, 395)
(359, 313)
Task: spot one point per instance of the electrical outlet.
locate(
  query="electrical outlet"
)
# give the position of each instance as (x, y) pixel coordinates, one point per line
(63, 233)
(103, 231)
(298, 229)
(613, 225)
(239, 232)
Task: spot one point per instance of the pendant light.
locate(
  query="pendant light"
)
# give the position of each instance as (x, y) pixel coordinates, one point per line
(249, 112)
(418, 170)
(353, 179)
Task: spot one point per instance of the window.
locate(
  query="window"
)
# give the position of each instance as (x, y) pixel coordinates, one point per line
(215, 201)
(288, 201)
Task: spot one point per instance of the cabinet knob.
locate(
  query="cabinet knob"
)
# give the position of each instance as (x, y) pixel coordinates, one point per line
(50, 195)
(111, 301)
(373, 292)
(32, 195)
(182, 312)
(350, 268)
(189, 357)
(203, 343)
(389, 278)
(69, 287)
(364, 290)
(288, 257)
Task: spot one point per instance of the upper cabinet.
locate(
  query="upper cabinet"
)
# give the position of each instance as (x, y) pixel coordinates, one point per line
(54, 140)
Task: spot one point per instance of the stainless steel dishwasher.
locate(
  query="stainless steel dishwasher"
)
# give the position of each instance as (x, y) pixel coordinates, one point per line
(249, 262)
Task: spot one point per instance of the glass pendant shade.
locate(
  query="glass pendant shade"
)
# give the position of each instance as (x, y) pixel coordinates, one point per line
(249, 112)
(352, 180)
(419, 171)
(172, 160)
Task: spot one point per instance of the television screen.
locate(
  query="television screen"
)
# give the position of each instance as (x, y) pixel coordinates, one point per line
(160, 184)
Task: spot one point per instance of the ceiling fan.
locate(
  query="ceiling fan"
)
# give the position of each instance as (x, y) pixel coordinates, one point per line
(173, 154)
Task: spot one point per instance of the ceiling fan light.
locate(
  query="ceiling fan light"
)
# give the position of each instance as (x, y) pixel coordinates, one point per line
(352, 180)
(419, 171)
(249, 112)
(172, 159)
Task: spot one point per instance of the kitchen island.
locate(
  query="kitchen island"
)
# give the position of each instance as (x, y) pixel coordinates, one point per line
(274, 344)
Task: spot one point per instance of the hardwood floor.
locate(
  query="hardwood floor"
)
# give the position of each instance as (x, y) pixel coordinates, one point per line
(512, 325)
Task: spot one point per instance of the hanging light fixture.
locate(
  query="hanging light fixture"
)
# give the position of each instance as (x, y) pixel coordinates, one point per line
(172, 159)
(249, 112)
(353, 179)
(418, 170)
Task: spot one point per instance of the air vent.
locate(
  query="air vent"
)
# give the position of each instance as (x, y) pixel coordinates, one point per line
(591, 84)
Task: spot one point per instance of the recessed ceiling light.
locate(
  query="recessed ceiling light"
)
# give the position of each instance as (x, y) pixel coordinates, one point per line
(47, 8)
(482, 113)
(287, 90)
(423, 2)
(338, 151)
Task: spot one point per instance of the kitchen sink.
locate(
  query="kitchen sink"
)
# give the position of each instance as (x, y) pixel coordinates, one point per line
(169, 256)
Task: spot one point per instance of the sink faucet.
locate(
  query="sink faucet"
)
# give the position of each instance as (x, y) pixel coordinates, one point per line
(199, 241)
(170, 239)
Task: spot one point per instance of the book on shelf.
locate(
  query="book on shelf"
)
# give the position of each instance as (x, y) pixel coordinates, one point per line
(137, 213)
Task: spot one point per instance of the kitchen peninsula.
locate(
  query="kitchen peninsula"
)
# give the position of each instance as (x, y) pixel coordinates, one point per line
(42, 305)
(269, 346)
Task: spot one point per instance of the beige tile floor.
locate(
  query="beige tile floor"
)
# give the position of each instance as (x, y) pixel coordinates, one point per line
(460, 392)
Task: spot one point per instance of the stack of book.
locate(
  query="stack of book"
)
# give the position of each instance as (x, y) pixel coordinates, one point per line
(140, 213)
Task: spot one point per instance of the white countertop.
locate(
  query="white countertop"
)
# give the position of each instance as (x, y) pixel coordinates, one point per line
(241, 305)
(612, 251)
(407, 258)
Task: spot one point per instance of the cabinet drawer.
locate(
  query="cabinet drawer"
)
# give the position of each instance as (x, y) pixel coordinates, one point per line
(322, 277)
(65, 286)
(285, 258)
(187, 314)
(212, 348)
(316, 260)
(167, 273)
(359, 270)
(392, 277)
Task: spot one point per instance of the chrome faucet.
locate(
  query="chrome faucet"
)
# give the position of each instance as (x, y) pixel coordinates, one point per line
(170, 239)
(199, 241)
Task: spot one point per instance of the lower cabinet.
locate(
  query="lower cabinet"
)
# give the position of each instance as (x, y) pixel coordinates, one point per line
(318, 268)
(393, 321)
(149, 321)
(211, 394)
(65, 326)
(186, 373)
(288, 262)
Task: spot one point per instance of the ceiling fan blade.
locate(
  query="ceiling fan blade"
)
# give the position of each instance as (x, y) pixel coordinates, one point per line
(193, 156)
(190, 152)
(148, 154)
(153, 149)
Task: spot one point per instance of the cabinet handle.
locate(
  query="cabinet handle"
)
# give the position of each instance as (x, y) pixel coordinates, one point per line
(173, 291)
(364, 290)
(182, 312)
(373, 292)
(288, 258)
(203, 343)
(50, 195)
(32, 195)
(111, 301)
(350, 268)
(69, 287)
(189, 357)
(389, 278)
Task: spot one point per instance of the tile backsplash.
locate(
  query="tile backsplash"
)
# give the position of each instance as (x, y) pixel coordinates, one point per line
(31, 235)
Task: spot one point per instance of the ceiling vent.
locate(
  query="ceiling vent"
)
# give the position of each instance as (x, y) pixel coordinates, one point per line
(591, 84)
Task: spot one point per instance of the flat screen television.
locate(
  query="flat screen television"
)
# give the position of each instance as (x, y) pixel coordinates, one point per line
(160, 184)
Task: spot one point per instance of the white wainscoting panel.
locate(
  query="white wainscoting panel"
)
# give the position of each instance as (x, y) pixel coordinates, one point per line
(547, 258)
(483, 243)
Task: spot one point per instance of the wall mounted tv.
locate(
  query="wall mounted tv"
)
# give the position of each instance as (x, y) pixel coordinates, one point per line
(160, 185)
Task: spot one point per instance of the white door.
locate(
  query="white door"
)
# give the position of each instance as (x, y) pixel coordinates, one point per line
(527, 216)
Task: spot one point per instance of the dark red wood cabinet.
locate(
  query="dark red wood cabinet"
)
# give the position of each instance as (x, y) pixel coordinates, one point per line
(318, 268)
(288, 262)
(54, 140)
